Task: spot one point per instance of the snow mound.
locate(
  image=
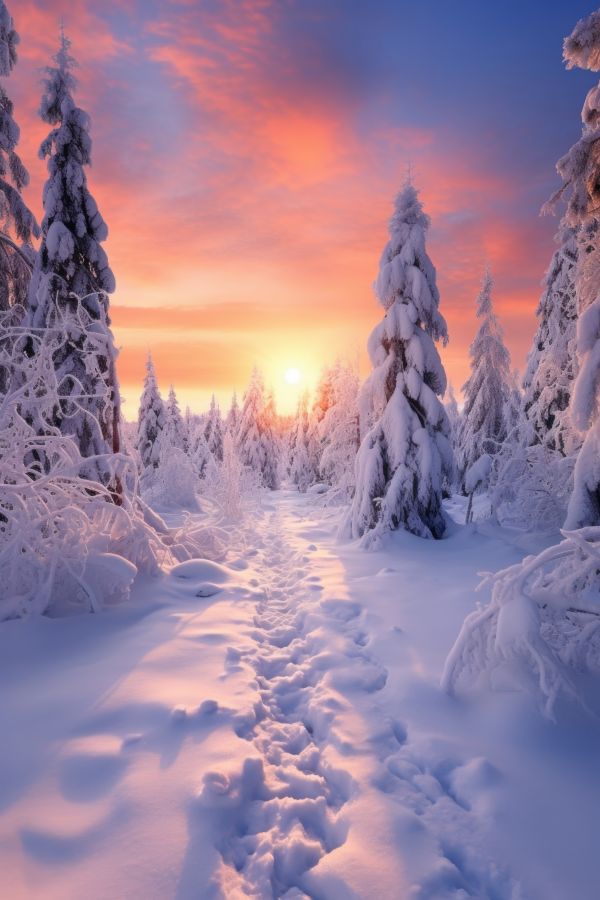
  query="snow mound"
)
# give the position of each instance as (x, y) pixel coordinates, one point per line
(202, 570)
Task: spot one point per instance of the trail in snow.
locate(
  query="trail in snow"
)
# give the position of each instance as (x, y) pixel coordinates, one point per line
(291, 807)
(273, 727)
(290, 800)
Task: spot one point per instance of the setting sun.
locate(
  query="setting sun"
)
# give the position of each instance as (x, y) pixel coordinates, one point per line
(293, 376)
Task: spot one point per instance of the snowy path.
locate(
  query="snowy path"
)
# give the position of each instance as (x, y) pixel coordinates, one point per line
(274, 728)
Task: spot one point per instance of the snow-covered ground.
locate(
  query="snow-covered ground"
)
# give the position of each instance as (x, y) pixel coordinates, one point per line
(273, 726)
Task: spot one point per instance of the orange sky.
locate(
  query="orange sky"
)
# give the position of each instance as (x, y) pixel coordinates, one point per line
(246, 166)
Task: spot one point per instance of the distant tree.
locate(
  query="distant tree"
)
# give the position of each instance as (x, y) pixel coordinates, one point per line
(322, 401)
(213, 430)
(454, 420)
(487, 390)
(174, 430)
(552, 361)
(232, 420)
(151, 419)
(406, 453)
(256, 437)
(17, 223)
(340, 431)
(71, 276)
(300, 469)
(272, 449)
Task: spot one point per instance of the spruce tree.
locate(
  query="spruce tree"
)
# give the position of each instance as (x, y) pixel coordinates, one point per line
(340, 431)
(174, 430)
(580, 172)
(233, 417)
(406, 452)
(552, 361)
(271, 444)
(151, 420)
(17, 223)
(257, 440)
(300, 469)
(213, 430)
(71, 277)
(487, 390)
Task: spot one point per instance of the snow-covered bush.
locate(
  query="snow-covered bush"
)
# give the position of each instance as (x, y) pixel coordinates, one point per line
(174, 482)
(233, 486)
(531, 486)
(67, 542)
(477, 478)
(59, 532)
(543, 620)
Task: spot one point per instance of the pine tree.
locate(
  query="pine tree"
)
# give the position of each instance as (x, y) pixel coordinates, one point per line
(271, 445)
(340, 431)
(257, 447)
(580, 172)
(71, 277)
(487, 390)
(199, 453)
(213, 430)
(454, 420)
(233, 417)
(17, 223)
(552, 360)
(322, 402)
(300, 469)
(174, 430)
(453, 413)
(151, 420)
(405, 454)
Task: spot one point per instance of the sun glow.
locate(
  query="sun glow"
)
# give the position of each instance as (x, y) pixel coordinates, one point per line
(292, 376)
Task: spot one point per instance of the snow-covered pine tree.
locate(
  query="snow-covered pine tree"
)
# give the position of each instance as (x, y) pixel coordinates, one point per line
(213, 430)
(321, 403)
(151, 419)
(272, 449)
(17, 223)
(454, 420)
(542, 618)
(487, 389)
(202, 459)
(256, 437)
(580, 172)
(232, 420)
(71, 277)
(174, 430)
(406, 453)
(300, 469)
(552, 361)
(453, 413)
(340, 431)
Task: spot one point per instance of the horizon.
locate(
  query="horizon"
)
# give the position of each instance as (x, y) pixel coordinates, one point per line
(273, 181)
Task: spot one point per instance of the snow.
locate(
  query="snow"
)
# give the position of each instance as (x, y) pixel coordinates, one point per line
(285, 734)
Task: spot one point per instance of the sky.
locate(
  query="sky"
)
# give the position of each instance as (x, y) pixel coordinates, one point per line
(246, 154)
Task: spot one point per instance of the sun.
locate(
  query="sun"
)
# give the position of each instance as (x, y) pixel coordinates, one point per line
(292, 376)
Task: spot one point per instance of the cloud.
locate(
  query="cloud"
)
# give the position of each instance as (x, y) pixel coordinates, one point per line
(246, 156)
